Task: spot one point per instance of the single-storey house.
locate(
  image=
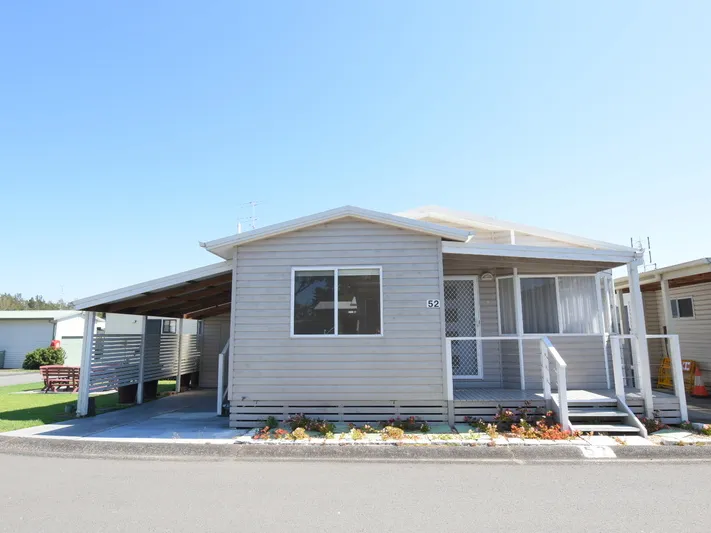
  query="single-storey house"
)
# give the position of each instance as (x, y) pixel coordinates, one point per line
(677, 300)
(24, 331)
(353, 314)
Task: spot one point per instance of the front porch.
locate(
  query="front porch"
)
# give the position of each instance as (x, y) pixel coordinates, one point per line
(484, 403)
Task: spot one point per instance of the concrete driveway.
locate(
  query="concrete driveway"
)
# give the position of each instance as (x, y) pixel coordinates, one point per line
(188, 415)
(14, 377)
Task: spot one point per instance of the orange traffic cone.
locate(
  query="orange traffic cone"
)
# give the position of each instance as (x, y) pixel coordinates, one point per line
(699, 389)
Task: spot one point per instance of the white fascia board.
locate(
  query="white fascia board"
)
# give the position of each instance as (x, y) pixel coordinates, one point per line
(223, 247)
(117, 295)
(464, 218)
(690, 268)
(539, 252)
(78, 313)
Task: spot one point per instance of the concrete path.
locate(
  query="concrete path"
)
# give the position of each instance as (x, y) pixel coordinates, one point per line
(256, 496)
(699, 409)
(18, 378)
(189, 415)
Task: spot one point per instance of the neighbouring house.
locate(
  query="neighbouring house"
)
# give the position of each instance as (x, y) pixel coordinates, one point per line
(24, 331)
(353, 314)
(677, 300)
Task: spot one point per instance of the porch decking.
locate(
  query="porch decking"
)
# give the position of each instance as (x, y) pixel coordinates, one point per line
(484, 402)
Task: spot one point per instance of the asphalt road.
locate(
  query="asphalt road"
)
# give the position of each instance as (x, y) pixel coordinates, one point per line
(42, 494)
(18, 378)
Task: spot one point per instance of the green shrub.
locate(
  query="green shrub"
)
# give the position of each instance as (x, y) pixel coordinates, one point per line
(44, 356)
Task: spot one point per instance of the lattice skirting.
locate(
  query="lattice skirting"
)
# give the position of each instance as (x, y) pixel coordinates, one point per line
(250, 414)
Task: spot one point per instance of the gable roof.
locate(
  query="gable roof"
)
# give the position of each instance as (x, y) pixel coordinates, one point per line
(223, 247)
(474, 221)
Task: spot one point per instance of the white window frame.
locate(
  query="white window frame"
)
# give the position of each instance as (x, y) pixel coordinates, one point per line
(678, 317)
(335, 270)
(557, 297)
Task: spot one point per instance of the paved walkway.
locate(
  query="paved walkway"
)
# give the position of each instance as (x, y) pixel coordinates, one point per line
(18, 378)
(189, 415)
(699, 409)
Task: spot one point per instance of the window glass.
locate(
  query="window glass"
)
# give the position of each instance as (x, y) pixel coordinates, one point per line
(170, 326)
(578, 304)
(686, 307)
(314, 302)
(540, 307)
(507, 306)
(675, 309)
(358, 301)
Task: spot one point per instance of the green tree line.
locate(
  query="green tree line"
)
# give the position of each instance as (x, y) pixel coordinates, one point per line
(15, 302)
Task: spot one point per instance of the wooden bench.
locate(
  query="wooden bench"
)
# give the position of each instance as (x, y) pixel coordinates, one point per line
(57, 377)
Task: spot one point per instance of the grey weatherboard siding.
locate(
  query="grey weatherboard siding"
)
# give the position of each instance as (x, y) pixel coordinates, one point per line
(405, 364)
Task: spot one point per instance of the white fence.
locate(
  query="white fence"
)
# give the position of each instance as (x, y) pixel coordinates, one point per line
(116, 359)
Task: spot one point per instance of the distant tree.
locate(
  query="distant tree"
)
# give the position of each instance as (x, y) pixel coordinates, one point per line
(15, 302)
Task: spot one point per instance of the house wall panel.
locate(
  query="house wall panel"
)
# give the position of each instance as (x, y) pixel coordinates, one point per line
(405, 364)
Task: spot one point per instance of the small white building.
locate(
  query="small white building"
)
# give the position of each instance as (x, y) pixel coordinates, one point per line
(24, 331)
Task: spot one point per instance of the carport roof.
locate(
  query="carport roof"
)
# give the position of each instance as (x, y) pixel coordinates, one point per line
(196, 294)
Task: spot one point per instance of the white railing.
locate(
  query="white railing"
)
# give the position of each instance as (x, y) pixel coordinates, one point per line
(645, 381)
(548, 351)
(222, 372)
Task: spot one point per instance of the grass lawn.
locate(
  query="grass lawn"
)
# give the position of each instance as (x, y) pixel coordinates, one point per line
(18, 411)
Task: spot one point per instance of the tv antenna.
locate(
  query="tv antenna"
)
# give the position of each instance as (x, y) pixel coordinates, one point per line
(637, 244)
(252, 218)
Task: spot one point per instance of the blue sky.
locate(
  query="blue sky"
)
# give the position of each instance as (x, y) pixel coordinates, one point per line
(131, 130)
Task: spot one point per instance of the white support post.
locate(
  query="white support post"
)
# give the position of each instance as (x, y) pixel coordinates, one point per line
(519, 325)
(85, 369)
(678, 374)
(220, 380)
(141, 361)
(617, 367)
(600, 288)
(180, 354)
(639, 342)
(621, 311)
(546, 373)
(562, 372)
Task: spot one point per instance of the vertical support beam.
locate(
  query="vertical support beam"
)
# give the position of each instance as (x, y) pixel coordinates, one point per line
(562, 372)
(519, 325)
(233, 318)
(678, 373)
(545, 373)
(639, 331)
(220, 379)
(621, 311)
(85, 369)
(141, 361)
(600, 288)
(180, 355)
(446, 345)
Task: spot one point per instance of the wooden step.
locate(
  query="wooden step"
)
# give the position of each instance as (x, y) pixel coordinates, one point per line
(595, 413)
(605, 428)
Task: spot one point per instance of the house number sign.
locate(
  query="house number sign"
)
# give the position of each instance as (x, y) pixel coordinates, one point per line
(433, 304)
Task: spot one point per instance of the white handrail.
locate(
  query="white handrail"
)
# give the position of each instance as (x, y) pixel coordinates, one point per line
(561, 406)
(676, 367)
(221, 389)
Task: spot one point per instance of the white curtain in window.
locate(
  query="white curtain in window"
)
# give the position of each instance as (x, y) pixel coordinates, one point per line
(578, 304)
(507, 306)
(540, 309)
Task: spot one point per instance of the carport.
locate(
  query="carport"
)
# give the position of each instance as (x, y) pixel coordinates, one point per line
(112, 361)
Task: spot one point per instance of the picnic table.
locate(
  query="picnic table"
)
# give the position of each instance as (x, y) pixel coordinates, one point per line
(58, 377)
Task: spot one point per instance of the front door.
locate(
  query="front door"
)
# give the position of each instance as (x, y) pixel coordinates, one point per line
(461, 311)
